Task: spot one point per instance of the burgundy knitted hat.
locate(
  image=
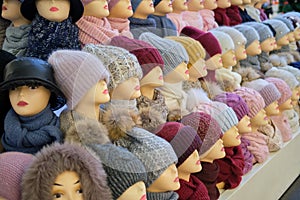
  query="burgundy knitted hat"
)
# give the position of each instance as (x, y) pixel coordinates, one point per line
(207, 128)
(234, 101)
(283, 88)
(207, 39)
(184, 139)
(147, 55)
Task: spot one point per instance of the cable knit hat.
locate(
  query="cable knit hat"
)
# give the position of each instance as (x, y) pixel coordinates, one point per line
(121, 64)
(224, 40)
(234, 101)
(184, 139)
(147, 55)
(287, 76)
(53, 160)
(280, 28)
(123, 169)
(111, 3)
(173, 53)
(206, 39)
(237, 37)
(287, 22)
(249, 32)
(12, 167)
(71, 69)
(207, 128)
(253, 99)
(283, 88)
(262, 29)
(267, 90)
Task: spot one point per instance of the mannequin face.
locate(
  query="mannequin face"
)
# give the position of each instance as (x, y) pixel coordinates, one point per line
(136, 191)
(11, 10)
(164, 7)
(198, 69)
(53, 10)
(179, 6)
(67, 186)
(246, 2)
(122, 9)
(240, 52)
(191, 165)
(214, 62)
(283, 41)
(296, 33)
(231, 138)
(236, 2)
(295, 95)
(195, 5)
(144, 9)
(167, 181)
(274, 43)
(223, 3)
(154, 78)
(244, 125)
(29, 100)
(229, 59)
(254, 48)
(217, 151)
(259, 119)
(267, 45)
(96, 8)
(181, 73)
(128, 90)
(210, 4)
(287, 105)
(272, 109)
(291, 37)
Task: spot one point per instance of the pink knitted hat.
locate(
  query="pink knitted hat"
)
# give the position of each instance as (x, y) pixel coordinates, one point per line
(283, 88)
(253, 99)
(12, 167)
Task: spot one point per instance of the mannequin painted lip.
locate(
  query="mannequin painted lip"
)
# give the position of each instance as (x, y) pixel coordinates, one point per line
(170, 4)
(105, 7)
(151, 5)
(220, 61)
(144, 197)
(54, 9)
(266, 118)
(238, 137)
(160, 77)
(4, 8)
(234, 58)
(22, 103)
(249, 125)
(198, 162)
(176, 180)
(105, 91)
(129, 8)
(137, 88)
(185, 3)
(223, 149)
(187, 71)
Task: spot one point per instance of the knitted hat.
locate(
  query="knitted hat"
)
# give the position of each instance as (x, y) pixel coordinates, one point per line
(71, 69)
(237, 37)
(147, 55)
(267, 90)
(287, 22)
(249, 32)
(234, 101)
(262, 29)
(224, 40)
(173, 53)
(283, 88)
(184, 139)
(135, 4)
(287, 76)
(207, 128)
(121, 64)
(111, 3)
(206, 39)
(156, 2)
(53, 160)
(123, 169)
(293, 70)
(12, 167)
(253, 99)
(280, 28)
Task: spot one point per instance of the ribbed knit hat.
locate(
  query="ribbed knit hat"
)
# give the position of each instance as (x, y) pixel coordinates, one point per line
(123, 169)
(287, 76)
(12, 167)
(112, 3)
(283, 88)
(249, 32)
(267, 90)
(262, 29)
(135, 4)
(280, 28)
(184, 139)
(224, 40)
(71, 69)
(173, 53)
(206, 39)
(121, 64)
(237, 37)
(147, 55)
(253, 99)
(287, 22)
(208, 129)
(234, 101)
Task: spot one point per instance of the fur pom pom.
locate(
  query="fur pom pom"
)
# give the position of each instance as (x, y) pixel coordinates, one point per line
(248, 74)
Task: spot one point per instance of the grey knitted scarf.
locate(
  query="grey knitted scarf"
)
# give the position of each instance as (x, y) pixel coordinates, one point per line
(162, 195)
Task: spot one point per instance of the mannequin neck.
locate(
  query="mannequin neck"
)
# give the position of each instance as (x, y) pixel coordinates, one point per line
(89, 111)
(159, 14)
(192, 78)
(20, 21)
(254, 127)
(184, 175)
(139, 16)
(205, 159)
(241, 7)
(147, 91)
(258, 5)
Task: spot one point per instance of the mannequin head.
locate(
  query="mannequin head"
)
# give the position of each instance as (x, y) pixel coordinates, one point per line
(136, 191)
(120, 9)
(281, 31)
(287, 105)
(259, 119)
(163, 7)
(11, 11)
(229, 59)
(191, 165)
(96, 8)
(297, 33)
(179, 6)
(252, 39)
(254, 48)
(240, 52)
(295, 95)
(267, 45)
(210, 4)
(245, 2)
(223, 3)
(197, 70)
(180, 73)
(153, 79)
(127, 90)
(142, 9)
(195, 5)
(217, 151)
(291, 37)
(272, 109)
(284, 40)
(56, 10)
(236, 2)
(214, 62)
(244, 125)
(231, 138)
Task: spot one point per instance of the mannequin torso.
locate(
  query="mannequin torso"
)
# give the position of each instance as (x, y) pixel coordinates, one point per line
(136, 191)
(191, 165)
(254, 48)
(152, 80)
(215, 152)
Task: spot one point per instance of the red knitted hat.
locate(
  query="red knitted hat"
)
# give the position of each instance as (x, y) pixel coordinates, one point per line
(147, 55)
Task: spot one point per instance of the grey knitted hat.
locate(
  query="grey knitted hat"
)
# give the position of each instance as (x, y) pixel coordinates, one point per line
(293, 70)
(267, 90)
(249, 32)
(71, 69)
(224, 39)
(155, 153)
(280, 28)
(123, 169)
(173, 53)
(287, 76)
(237, 37)
(263, 30)
(121, 64)
(287, 22)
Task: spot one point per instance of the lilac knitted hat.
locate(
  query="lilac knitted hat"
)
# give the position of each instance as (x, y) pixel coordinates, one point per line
(283, 88)
(253, 99)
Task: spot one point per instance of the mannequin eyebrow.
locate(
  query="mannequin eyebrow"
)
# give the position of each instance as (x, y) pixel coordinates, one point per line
(62, 185)
(77, 182)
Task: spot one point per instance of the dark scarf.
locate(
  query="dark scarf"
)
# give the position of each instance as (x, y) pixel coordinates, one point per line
(208, 175)
(221, 17)
(16, 40)
(139, 26)
(30, 134)
(192, 190)
(47, 36)
(245, 16)
(234, 16)
(162, 195)
(164, 26)
(251, 61)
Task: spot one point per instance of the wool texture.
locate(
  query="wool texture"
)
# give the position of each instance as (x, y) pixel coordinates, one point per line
(274, 136)
(245, 16)
(193, 18)
(139, 26)
(3, 26)
(221, 17)
(209, 21)
(282, 122)
(233, 14)
(122, 25)
(253, 12)
(177, 19)
(164, 26)
(293, 119)
(162, 195)
(248, 156)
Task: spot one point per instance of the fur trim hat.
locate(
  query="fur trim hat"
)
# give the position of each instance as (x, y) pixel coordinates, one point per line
(283, 88)
(262, 29)
(237, 37)
(224, 40)
(195, 97)
(280, 28)
(121, 64)
(249, 32)
(287, 76)
(53, 160)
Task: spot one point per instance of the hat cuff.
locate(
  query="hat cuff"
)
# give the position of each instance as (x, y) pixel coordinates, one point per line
(270, 94)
